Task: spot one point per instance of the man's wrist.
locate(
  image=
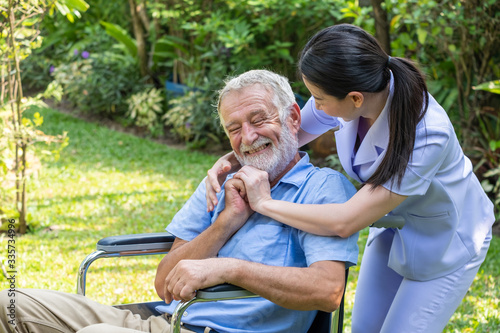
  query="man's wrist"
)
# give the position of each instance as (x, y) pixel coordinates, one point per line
(227, 223)
(233, 270)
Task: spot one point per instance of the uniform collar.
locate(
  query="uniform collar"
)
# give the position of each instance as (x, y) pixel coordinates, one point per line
(377, 138)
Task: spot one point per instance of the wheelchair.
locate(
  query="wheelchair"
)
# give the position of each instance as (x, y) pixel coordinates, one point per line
(160, 243)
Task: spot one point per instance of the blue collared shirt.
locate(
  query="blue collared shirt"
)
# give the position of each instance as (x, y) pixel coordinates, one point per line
(269, 242)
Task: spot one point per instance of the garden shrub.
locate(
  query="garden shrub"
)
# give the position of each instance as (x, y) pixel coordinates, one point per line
(221, 38)
(144, 108)
(457, 42)
(193, 119)
(99, 83)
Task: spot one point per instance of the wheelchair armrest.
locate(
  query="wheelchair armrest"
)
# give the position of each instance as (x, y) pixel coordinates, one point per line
(223, 291)
(389, 221)
(136, 242)
(124, 245)
(216, 293)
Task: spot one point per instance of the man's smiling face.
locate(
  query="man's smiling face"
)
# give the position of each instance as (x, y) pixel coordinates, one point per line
(255, 131)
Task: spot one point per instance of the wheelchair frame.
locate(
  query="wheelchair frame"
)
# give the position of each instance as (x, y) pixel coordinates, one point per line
(160, 243)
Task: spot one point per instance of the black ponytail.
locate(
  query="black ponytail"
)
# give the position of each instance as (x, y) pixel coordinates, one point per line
(344, 58)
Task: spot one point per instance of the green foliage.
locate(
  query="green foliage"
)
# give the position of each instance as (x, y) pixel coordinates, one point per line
(121, 36)
(20, 32)
(493, 186)
(25, 134)
(208, 40)
(193, 119)
(457, 41)
(99, 84)
(492, 86)
(61, 37)
(243, 34)
(71, 8)
(144, 108)
(199, 42)
(36, 72)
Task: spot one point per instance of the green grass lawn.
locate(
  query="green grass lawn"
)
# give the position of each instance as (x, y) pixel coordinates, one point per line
(108, 183)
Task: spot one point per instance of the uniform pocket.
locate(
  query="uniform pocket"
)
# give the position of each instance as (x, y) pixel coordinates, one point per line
(435, 223)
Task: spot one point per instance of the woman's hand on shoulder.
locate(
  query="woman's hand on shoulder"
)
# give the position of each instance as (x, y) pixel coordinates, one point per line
(216, 176)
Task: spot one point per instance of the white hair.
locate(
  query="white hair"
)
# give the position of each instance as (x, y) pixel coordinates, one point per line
(283, 96)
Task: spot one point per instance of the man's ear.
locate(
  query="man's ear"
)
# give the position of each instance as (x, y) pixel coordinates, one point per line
(357, 98)
(295, 118)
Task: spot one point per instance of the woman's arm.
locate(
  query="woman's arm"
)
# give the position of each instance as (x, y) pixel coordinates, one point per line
(216, 176)
(305, 138)
(363, 209)
(228, 164)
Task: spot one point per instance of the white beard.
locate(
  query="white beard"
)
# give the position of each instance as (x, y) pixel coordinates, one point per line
(276, 159)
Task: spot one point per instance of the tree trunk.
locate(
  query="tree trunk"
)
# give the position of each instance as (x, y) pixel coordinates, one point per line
(381, 26)
(16, 96)
(140, 39)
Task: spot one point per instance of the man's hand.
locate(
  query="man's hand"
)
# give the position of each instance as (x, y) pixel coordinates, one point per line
(257, 187)
(237, 210)
(190, 275)
(236, 198)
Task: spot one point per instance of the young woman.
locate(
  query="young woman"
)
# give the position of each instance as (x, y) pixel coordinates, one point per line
(394, 138)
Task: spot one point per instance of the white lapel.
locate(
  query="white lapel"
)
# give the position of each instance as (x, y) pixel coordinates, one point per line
(372, 149)
(345, 138)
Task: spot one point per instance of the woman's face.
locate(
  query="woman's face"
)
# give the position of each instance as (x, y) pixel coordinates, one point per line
(342, 108)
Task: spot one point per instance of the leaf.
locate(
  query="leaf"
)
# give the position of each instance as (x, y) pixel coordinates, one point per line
(37, 119)
(486, 185)
(171, 42)
(121, 36)
(491, 86)
(494, 145)
(62, 8)
(78, 5)
(395, 20)
(422, 35)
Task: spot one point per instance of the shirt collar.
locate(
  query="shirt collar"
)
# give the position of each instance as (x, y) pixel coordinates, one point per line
(297, 175)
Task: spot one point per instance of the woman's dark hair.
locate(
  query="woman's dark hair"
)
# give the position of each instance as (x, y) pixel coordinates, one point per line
(344, 58)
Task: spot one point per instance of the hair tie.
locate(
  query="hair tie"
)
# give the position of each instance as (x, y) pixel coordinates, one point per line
(388, 61)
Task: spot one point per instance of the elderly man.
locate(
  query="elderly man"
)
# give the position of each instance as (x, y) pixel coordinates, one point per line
(294, 272)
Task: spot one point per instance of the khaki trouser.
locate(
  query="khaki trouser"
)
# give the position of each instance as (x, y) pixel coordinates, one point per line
(46, 311)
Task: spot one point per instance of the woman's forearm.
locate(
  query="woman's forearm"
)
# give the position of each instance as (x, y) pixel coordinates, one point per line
(343, 219)
(318, 219)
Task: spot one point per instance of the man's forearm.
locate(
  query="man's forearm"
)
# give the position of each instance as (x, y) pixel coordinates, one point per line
(318, 287)
(206, 245)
